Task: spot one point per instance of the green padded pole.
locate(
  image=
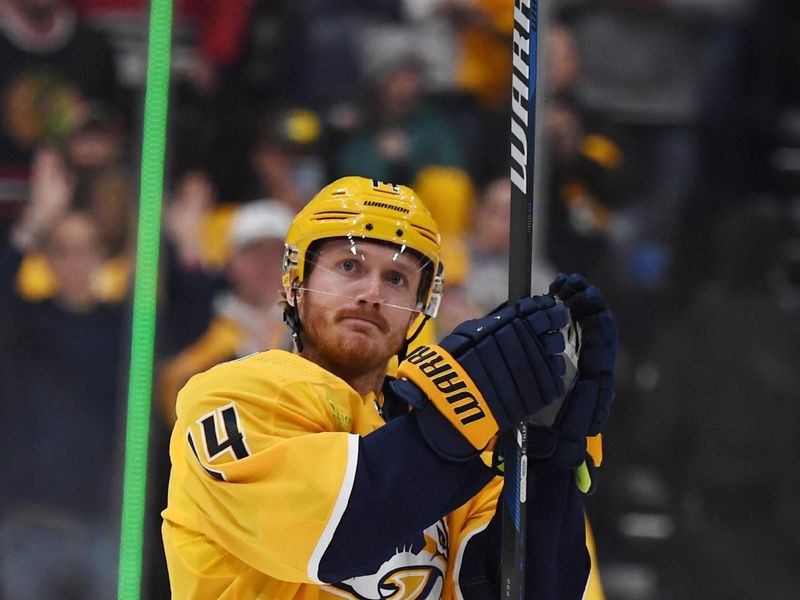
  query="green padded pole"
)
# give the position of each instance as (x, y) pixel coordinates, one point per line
(140, 384)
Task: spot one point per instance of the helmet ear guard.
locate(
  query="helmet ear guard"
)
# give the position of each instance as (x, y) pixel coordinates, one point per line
(434, 299)
(430, 310)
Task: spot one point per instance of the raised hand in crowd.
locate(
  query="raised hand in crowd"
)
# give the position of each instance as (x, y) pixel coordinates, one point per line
(186, 213)
(52, 187)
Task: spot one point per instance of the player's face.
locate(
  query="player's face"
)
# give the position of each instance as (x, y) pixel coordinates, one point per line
(357, 304)
(74, 254)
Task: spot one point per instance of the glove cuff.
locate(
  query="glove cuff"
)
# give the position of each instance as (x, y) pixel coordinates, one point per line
(437, 432)
(451, 390)
(546, 443)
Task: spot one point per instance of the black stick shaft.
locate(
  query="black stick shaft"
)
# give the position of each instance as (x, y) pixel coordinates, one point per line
(514, 444)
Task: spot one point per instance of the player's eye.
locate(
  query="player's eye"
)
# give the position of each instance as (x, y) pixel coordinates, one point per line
(348, 265)
(395, 279)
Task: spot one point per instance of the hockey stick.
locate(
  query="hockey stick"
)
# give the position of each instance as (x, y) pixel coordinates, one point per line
(514, 445)
(134, 484)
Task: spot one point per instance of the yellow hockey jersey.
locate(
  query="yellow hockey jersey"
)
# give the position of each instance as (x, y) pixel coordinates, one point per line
(264, 455)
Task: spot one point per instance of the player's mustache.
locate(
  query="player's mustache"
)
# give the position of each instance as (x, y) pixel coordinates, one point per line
(366, 314)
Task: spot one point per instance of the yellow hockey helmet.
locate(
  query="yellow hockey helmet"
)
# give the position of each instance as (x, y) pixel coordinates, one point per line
(358, 208)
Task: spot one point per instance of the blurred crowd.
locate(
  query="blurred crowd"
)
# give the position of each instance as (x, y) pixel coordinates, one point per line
(670, 137)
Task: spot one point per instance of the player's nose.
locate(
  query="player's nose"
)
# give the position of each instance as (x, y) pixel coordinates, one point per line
(371, 290)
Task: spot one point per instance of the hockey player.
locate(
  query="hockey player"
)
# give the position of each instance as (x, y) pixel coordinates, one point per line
(311, 475)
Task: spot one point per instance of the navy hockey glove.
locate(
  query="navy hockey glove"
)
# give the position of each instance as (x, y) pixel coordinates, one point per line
(486, 376)
(586, 406)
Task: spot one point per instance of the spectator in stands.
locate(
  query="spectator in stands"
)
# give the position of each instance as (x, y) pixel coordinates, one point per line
(50, 64)
(94, 144)
(480, 106)
(208, 37)
(485, 28)
(247, 316)
(647, 86)
(206, 101)
(60, 398)
(487, 285)
(87, 178)
(96, 153)
(586, 172)
(477, 268)
(403, 133)
(285, 158)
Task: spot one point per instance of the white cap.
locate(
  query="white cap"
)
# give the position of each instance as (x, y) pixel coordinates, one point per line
(259, 220)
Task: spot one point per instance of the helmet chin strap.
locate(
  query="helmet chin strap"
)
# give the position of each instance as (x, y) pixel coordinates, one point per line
(401, 355)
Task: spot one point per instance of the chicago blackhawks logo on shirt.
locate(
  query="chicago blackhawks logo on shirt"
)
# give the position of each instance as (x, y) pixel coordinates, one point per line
(414, 572)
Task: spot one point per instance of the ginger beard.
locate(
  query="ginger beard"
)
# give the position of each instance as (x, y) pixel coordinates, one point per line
(348, 327)
(351, 340)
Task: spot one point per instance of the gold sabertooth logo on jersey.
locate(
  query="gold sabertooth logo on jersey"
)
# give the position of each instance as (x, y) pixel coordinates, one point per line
(452, 391)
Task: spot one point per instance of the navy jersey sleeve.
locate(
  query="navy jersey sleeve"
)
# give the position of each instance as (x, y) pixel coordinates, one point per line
(401, 487)
(557, 562)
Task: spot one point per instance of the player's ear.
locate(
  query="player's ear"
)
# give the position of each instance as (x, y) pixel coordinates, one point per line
(291, 293)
